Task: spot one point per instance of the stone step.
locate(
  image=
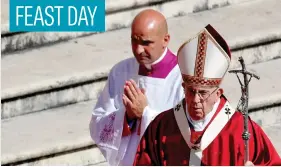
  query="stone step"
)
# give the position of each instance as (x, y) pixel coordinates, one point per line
(61, 136)
(119, 14)
(76, 70)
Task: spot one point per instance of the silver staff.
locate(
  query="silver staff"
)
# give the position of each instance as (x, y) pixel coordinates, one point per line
(243, 103)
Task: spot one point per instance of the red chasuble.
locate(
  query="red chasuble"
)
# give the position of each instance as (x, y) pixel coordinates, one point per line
(170, 140)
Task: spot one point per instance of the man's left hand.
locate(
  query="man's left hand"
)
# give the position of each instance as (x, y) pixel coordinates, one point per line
(134, 100)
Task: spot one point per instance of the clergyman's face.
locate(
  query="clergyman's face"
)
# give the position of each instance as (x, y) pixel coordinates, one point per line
(147, 45)
(200, 100)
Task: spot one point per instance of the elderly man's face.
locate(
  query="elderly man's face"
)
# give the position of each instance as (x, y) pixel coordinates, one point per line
(200, 100)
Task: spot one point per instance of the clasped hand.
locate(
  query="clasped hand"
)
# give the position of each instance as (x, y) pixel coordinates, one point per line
(249, 163)
(134, 100)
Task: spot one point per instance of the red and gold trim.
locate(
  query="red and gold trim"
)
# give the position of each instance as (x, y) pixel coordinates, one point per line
(201, 54)
(200, 81)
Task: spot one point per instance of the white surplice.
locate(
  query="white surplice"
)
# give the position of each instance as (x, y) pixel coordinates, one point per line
(108, 116)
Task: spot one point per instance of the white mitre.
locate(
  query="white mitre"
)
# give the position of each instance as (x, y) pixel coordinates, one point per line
(204, 59)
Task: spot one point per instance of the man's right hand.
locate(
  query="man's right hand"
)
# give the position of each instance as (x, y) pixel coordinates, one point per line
(134, 100)
(249, 163)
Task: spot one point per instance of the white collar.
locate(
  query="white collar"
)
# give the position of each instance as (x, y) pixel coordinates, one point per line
(148, 66)
(201, 124)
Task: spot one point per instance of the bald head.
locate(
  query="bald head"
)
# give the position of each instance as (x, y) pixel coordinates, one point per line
(151, 20)
(149, 36)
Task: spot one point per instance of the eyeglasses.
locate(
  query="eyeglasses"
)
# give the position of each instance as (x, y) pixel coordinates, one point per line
(203, 94)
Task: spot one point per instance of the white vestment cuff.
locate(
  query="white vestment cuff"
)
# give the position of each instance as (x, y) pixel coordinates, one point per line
(147, 116)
